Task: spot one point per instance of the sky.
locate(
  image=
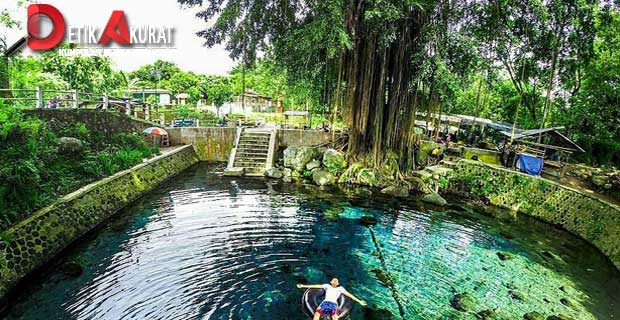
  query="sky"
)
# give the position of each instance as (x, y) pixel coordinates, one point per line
(188, 51)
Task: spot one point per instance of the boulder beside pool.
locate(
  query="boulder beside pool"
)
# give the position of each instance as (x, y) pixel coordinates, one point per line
(323, 177)
(435, 198)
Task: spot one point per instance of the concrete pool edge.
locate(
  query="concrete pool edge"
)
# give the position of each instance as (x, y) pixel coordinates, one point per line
(33, 242)
(583, 215)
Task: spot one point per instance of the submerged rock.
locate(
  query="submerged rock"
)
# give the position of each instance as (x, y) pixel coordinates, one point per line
(323, 178)
(396, 191)
(377, 314)
(567, 302)
(334, 161)
(434, 198)
(286, 268)
(506, 234)
(274, 173)
(504, 256)
(486, 314)
(550, 256)
(533, 316)
(463, 302)
(368, 221)
(72, 269)
(516, 295)
(333, 214)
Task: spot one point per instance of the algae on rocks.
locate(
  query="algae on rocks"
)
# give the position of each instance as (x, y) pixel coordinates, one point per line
(297, 158)
(274, 173)
(434, 198)
(395, 190)
(323, 178)
(334, 161)
(464, 302)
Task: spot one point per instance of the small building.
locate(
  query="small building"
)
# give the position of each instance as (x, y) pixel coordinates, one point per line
(182, 98)
(253, 102)
(162, 95)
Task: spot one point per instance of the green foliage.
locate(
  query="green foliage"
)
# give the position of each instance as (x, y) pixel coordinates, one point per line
(185, 82)
(217, 89)
(86, 74)
(154, 75)
(33, 172)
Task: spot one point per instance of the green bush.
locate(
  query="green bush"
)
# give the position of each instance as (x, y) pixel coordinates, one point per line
(33, 173)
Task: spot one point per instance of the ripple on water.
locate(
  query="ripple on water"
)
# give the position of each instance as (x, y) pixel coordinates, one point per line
(208, 248)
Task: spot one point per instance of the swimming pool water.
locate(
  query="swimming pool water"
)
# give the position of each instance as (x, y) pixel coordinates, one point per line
(207, 247)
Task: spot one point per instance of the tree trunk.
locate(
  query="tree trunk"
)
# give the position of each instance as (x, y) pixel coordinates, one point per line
(549, 88)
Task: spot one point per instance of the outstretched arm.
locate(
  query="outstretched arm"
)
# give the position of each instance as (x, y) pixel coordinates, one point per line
(310, 286)
(350, 295)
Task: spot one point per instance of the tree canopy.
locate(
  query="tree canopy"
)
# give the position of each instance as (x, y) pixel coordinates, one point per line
(378, 62)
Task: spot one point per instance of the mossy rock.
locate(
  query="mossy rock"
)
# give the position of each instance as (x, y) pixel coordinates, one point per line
(366, 177)
(314, 164)
(368, 221)
(504, 256)
(567, 302)
(333, 214)
(396, 191)
(274, 173)
(69, 145)
(323, 178)
(434, 198)
(72, 269)
(559, 317)
(464, 302)
(297, 158)
(334, 161)
(517, 295)
(486, 314)
(421, 157)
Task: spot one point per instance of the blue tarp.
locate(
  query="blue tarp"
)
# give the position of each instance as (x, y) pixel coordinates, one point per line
(530, 164)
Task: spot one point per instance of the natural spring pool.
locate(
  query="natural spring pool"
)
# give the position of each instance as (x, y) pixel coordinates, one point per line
(207, 247)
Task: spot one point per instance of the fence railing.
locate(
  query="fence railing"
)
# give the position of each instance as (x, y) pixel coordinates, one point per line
(75, 99)
(116, 101)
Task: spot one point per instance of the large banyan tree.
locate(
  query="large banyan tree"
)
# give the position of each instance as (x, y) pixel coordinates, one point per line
(366, 56)
(379, 62)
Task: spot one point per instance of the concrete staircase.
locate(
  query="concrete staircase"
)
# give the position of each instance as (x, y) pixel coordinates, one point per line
(253, 152)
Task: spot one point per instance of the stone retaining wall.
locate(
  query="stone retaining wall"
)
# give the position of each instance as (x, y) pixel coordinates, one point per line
(108, 122)
(594, 220)
(36, 240)
(215, 143)
(210, 143)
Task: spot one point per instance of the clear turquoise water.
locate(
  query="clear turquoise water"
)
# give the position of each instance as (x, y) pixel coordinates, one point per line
(205, 247)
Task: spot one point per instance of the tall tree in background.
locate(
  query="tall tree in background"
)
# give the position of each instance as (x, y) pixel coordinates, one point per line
(6, 21)
(362, 47)
(217, 89)
(538, 43)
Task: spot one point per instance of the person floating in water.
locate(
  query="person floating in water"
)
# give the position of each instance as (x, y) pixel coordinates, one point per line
(333, 290)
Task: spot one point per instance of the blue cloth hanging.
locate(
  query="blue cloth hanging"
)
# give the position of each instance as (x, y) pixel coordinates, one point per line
(530, 164)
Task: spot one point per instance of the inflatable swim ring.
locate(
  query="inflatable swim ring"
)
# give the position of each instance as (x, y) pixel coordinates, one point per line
(313, 297)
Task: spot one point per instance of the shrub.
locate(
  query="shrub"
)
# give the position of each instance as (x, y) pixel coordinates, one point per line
(33, 173)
